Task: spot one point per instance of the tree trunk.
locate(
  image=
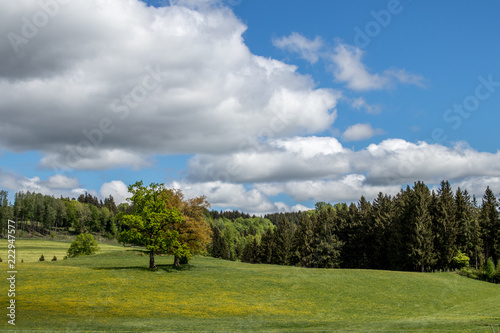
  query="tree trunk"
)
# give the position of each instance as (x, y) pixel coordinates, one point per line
(152, 260)
(176, 261)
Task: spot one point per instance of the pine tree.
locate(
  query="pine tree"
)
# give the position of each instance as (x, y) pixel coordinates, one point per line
(383, 216)
(251, 250)
(327, 246)
(490, 225)
(266, 247)
(283, 238)
(421, 247)
(444, 225)
(303, 242)
(399, 232)
(468, 236)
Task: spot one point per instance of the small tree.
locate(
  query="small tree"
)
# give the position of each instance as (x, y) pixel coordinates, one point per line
(461, 260)
(150, 223)
(497, 272)
(84, 244)
(162, 221)
(490, 269)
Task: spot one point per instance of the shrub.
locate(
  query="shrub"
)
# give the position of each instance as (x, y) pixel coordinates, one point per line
(470, 272)
(461, 260)
(490, 269)
(54, 259)
(42, 258)
(497, 272)
(84, 244)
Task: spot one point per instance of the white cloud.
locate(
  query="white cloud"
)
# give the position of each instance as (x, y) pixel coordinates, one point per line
(117, 189)
(392, 161)
(360, 132)
(361, 104)
(275, 160)
(348, 68)
(91, 158)
(62, 182)
(347, 188)
(307, 49)
(405, 77)
(57, 185)
(182, 81)
(397, 161)
(228, 195)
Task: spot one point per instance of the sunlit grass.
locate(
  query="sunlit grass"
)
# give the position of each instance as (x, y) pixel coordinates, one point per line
(30, 250)
(114, 290)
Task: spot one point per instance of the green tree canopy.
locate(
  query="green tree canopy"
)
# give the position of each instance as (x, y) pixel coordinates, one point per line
(163, 222)
(83, 245)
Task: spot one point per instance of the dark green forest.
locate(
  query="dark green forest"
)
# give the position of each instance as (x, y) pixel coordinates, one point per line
(415, 230)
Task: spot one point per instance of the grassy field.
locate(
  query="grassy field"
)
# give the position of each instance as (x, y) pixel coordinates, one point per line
(114, 291)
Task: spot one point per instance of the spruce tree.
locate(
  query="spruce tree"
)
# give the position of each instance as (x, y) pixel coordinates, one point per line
(383, 216)
(421, 247)
(303, 242)
(283, 238)
(327, 246)
(490, 225)
(444, 225)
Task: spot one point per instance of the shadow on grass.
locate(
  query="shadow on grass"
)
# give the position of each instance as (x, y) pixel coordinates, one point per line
(166, 268)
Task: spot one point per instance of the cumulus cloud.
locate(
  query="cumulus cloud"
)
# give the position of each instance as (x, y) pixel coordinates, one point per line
(275, 160)
(397, 161)
(360, 132)
(57, 185)
(182, 81)
(321, 165)
(361, 104)
(305, 48)
(62, 182)
(349, 68)
(347, 188)
(228, 195)
(117, 189)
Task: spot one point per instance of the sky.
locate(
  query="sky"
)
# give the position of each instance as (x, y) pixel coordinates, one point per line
(260, 105)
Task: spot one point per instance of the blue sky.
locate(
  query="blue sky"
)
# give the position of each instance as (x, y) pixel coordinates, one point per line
(262, 106)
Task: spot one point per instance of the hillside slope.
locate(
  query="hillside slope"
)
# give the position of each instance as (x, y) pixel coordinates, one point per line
(114, 291)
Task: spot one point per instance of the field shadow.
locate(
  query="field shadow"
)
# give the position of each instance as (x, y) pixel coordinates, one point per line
(166, 268)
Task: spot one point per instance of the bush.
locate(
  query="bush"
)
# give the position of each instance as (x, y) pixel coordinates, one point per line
(54, 259)
(497, 272)
(84, 244)
(461, 260)
(42, 258)
(490, 269)
(470, 272)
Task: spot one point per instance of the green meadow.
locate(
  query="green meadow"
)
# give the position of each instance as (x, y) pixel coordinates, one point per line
(114, 291)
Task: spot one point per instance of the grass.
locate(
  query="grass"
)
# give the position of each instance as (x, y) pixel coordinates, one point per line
(114, 291)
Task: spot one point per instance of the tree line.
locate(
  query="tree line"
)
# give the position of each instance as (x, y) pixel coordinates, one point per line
(415, 230)
(44, 214)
